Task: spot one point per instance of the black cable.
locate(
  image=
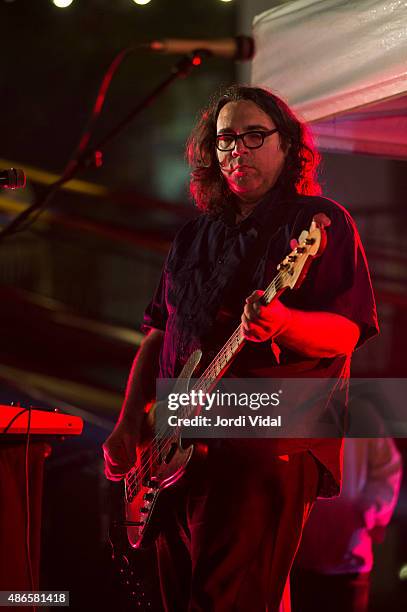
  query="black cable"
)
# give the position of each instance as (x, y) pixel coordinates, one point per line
(27, 506)
(27, 491)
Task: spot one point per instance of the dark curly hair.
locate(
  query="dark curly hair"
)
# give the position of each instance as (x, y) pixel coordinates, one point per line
(207, 185)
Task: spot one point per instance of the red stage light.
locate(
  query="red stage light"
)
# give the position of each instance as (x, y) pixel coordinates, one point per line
(98, 159)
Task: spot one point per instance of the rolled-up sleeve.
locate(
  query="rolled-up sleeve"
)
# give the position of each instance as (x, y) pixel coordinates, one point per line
(156, 314)
(339, 280)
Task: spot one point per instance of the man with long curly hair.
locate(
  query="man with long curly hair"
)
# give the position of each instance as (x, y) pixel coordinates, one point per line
(230, 528)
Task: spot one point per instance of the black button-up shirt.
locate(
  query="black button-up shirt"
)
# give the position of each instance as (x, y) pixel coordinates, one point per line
(214, 264)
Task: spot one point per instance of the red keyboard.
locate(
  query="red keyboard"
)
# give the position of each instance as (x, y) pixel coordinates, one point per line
(41, 422)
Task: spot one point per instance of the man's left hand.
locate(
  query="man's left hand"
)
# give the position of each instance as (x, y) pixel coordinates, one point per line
(260, 323)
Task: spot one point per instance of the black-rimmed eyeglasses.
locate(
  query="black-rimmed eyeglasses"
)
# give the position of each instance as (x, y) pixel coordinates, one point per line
(251, 140)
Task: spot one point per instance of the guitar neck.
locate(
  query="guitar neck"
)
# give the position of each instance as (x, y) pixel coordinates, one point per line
(223, 360)
(291, 273)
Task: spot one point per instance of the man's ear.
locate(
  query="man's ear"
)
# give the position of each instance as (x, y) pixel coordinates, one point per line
(284, 147)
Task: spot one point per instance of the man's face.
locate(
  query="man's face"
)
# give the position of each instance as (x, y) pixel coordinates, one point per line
(249, 173)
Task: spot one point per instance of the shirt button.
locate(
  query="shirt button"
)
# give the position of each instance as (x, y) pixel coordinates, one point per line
(220, 261)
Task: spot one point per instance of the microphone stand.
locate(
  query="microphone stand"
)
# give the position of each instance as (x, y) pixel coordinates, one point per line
(93, 154)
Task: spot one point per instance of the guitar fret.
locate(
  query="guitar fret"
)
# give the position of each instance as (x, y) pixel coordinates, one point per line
(229, 350)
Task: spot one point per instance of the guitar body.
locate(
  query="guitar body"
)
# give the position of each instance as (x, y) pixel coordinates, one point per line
(159, 466)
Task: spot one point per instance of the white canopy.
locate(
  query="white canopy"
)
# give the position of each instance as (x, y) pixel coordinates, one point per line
(342, 64)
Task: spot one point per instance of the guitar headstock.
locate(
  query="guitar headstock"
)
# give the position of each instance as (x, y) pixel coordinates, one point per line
(311, 243)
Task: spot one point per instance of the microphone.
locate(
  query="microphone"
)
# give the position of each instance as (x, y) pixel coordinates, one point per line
(13, 178)
(240, 48)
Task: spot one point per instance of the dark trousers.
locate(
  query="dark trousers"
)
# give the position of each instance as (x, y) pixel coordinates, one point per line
(311, 591)
(231, 528)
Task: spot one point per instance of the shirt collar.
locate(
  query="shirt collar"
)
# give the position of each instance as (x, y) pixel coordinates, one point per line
(257, 217)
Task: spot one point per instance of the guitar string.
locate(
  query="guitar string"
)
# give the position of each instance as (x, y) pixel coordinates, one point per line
(158, 437)
(225, 354)
(139, 472)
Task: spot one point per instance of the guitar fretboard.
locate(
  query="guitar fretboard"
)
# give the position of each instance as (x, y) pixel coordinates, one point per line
(230, 349)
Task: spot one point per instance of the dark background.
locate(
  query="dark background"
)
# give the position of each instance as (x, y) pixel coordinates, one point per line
(74, 285)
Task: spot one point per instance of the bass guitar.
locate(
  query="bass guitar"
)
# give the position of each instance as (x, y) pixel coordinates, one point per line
(165, 460)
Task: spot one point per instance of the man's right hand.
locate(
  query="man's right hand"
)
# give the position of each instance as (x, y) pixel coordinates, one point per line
(120, 449)
(136, 427)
